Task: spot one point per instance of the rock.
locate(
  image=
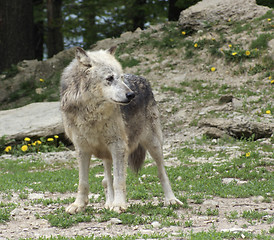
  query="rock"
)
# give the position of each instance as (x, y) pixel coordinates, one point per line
(32, 70)
(211, 204)
(115, 221)
(33, 196)
(225, 99)
(239, 128)
(211, 11)
(214, 133)
(257, 199)
(155, 224)
(36, 119)
(271, 48)
(234, 230)
(236, 103)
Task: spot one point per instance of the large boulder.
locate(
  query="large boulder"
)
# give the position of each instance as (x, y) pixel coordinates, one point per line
(236, 128)
(211, 11)
(36, 119)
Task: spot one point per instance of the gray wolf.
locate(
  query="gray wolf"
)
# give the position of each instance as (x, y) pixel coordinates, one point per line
(114, 117)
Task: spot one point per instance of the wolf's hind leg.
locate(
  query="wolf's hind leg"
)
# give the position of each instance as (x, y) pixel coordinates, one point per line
(108, 183)
(154, 147)
(83, 188)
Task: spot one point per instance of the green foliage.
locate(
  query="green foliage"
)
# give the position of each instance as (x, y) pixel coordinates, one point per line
(51, 144)
(59, 218)
(184, 4)
(5, 209)
(261, 41)
(268, 3)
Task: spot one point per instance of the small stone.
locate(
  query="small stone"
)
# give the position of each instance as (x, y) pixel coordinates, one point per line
(156, 224)
(115, 221)
(257, 199)
(225, 99)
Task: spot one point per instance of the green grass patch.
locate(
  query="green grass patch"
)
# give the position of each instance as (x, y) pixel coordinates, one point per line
(5, 209)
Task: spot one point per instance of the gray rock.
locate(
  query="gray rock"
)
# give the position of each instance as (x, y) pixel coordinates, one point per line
(211, 11)
(155, 224)
(239, 128)
(214, 133)
(36, 119)
(115, 221)
(271, 48)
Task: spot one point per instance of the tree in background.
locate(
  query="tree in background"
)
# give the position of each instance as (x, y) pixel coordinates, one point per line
(38, 18)
(16, 32)
(26, 27)
(268, 3)
(54, 41)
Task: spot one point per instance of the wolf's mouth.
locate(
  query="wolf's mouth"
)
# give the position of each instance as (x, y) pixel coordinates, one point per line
(122, 102)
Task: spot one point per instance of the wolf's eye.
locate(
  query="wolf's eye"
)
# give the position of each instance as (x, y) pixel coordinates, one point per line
(110, 79)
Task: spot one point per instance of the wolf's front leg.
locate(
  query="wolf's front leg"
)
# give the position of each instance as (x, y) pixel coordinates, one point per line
(83, 188)
(108, 183)
(119, 157)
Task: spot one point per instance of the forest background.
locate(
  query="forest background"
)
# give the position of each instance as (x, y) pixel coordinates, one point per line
(38, 29)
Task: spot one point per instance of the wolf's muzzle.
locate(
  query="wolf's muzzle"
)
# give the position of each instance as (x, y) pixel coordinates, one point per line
(130, 95)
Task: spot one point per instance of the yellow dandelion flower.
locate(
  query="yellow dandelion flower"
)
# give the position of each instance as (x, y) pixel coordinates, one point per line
(247, 154)
(41, 80)
(38, 142)
(229, 20)
(24, 148)
(213, 69)
(27, 139)
(50, 139)
(7, 149)
(230, 45)
(183, 32)
(213, 39)
(196, 45)
(33, 144)
(56, 136)
(272, 82)
(268, 112)
(247, 53)
(234, 53)
(269, 19)
(269, 77)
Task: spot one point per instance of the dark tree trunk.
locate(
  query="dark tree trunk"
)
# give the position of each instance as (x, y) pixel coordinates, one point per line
(173, 11)
(16, 32)
(89, 10)
(55, 42)
(38, 29)
(139, 14)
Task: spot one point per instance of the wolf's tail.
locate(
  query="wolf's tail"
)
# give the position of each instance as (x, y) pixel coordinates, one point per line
(137, 158)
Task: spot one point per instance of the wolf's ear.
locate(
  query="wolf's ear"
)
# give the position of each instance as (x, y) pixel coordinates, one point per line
(82, 56)
(112, 50)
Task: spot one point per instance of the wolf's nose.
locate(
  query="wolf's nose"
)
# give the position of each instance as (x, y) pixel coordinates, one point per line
(130, 95)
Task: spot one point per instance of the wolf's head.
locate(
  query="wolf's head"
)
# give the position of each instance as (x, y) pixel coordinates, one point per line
(103, 75)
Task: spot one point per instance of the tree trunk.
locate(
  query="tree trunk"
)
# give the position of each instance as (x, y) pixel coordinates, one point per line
(16, 32)
(55, 42)
(139, 14)
(173, 11)
(38, 29)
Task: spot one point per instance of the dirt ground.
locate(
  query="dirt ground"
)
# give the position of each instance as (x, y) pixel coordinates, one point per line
(24, 223)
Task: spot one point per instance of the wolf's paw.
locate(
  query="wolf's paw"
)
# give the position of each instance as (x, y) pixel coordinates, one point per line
(119, 207)
(172, 201)
(75, 208)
